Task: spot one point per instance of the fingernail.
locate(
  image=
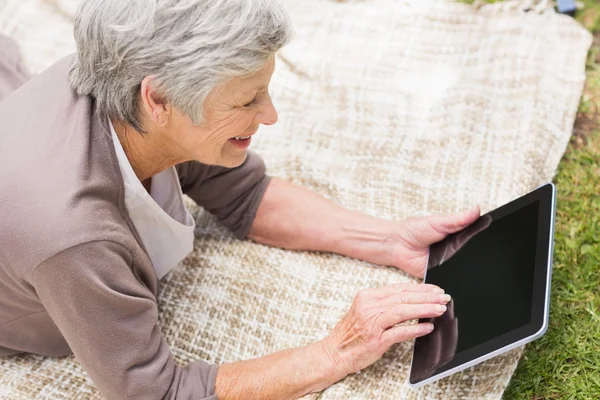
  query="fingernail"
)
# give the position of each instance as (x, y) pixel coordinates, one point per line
(440, 308)
(438, 290)
(445, 297)
(429, 327)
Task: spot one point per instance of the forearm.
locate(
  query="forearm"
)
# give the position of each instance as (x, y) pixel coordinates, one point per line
(295, 217)
(287, 374)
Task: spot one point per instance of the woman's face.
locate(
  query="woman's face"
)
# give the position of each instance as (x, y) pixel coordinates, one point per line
(234, 109)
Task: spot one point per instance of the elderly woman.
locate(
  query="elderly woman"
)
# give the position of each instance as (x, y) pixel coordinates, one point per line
(162, 99)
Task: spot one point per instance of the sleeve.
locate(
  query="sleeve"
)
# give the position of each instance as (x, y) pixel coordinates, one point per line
(231, 194)
(110, 321)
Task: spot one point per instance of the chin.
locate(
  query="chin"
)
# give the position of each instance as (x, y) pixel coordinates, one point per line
(226, 159)
(232, 160)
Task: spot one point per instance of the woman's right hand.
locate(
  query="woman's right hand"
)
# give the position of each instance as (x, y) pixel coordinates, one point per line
(371, 327)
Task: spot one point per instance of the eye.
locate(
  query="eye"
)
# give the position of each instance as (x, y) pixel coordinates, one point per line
(248, 105)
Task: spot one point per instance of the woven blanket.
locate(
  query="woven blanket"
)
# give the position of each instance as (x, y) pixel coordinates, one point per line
(394, 108)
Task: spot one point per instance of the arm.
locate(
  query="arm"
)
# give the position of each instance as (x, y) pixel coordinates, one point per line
(287, 374)
(278, 213)
(109, 320)
(368, 330)
(295, 217)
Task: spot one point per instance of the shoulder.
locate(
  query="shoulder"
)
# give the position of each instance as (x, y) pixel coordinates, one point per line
(45, 94)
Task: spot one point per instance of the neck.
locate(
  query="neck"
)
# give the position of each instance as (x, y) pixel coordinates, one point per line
(146, 152)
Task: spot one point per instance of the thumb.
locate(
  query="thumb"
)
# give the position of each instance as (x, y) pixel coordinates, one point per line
(454, 222)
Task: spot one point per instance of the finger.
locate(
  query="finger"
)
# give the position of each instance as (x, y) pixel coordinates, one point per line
(385, 291)
(402, 333)
(454, 222)
(397, 299)
(405, 312)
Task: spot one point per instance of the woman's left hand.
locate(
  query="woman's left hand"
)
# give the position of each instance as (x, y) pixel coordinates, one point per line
(417, 234)
(404, 244)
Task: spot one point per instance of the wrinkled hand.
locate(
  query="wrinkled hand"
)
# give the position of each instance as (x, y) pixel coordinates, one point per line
(371, 327)
(415, 235)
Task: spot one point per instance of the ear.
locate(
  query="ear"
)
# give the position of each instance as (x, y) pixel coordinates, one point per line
(154, 104)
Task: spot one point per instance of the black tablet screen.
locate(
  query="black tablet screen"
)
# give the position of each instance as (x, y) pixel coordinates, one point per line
(488, 269)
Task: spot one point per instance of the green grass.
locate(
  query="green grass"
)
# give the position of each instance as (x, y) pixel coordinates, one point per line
(565, 363)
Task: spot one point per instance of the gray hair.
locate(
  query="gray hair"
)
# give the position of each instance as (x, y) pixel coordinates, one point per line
(191, 46)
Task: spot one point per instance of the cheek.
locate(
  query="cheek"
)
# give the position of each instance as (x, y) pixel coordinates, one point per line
(232, 124)
(238, 124)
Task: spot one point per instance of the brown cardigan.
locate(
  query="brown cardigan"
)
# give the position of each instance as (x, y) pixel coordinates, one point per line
(74, 276)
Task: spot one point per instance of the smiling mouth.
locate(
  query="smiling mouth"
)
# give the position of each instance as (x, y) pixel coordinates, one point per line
(242, 142)
(244, 137)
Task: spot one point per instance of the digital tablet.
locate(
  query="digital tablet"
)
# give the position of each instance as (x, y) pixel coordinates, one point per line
(498, 272)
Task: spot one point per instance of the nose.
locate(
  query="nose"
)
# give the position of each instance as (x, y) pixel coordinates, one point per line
(268, 115)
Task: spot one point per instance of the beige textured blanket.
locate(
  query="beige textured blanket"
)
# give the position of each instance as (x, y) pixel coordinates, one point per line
(394, 108)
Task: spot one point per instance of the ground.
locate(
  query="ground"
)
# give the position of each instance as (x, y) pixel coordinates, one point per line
(565, 363)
